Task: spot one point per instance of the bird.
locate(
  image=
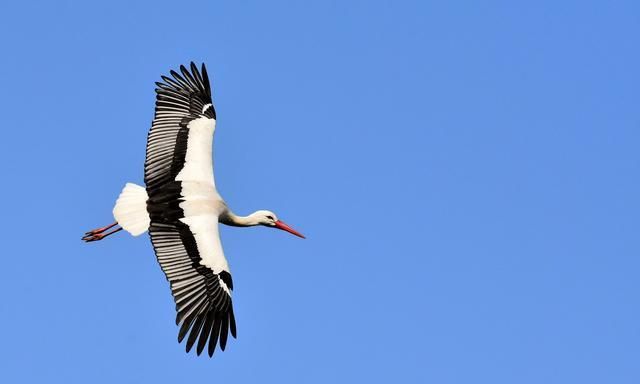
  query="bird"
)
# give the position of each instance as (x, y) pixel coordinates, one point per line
(180, 208)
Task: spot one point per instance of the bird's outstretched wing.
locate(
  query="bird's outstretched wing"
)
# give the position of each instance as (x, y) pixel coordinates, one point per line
(202, 292)
(183, 211)
(179, 145)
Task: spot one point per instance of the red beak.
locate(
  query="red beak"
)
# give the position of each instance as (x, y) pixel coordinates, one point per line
(282, 225)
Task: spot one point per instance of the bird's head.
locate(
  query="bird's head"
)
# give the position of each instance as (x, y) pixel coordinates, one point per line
(269, 219)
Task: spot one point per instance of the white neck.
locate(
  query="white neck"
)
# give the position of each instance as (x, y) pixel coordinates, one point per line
(229, 218)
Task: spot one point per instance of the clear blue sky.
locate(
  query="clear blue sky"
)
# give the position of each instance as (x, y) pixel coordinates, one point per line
(466, 174)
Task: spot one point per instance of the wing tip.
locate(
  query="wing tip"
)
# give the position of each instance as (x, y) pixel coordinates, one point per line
(216, 335)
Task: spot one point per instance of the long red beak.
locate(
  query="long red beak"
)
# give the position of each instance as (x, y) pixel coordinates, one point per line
(285, 227)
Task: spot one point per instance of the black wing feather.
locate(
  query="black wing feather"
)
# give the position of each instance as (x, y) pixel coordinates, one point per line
(224, 329)
(206, 329)
(213, 339)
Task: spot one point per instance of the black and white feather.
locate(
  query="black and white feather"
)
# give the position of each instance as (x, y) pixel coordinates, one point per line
(183, 208)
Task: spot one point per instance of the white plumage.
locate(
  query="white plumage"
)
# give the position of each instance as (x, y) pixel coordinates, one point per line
(130, 210)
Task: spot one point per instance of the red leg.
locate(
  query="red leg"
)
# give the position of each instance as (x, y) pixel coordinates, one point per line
(100, 230)
(89, 237)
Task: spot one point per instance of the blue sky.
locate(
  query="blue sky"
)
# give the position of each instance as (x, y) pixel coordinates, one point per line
(466, 174)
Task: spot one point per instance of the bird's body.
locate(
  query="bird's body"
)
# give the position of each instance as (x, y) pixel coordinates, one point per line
(181, 208)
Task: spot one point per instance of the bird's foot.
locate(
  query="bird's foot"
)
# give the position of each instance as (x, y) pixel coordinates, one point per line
(89, 237)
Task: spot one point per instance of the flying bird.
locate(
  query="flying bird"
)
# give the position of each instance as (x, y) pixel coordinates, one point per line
(181, 208)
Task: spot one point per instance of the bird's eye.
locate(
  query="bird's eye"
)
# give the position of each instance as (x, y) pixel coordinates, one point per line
(270, 217)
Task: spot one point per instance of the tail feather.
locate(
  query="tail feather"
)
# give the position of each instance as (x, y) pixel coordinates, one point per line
(130, 210)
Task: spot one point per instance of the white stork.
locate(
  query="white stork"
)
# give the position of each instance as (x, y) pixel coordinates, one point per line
(181, 209)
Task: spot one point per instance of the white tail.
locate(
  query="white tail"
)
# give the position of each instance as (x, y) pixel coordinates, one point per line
(130, 210)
